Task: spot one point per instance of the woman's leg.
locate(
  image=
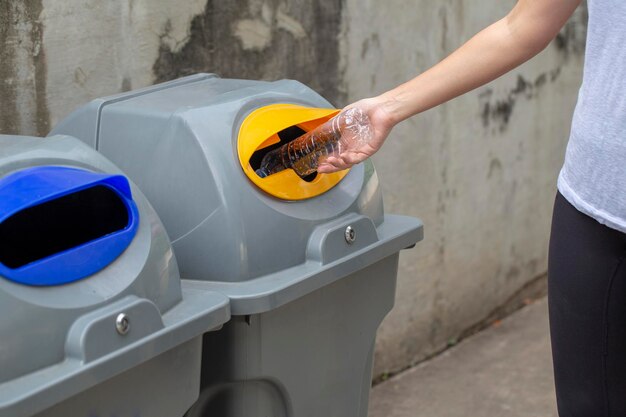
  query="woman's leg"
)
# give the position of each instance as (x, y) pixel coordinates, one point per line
(587, 299)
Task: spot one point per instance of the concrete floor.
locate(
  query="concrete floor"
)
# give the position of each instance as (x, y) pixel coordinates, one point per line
(505, 370)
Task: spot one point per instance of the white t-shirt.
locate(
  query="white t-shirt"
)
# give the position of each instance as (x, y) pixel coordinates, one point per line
(593, 178)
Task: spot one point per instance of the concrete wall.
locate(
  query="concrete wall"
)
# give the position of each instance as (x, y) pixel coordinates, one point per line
(480, 170)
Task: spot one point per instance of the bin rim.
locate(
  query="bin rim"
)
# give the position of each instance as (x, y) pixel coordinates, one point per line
(271, 291)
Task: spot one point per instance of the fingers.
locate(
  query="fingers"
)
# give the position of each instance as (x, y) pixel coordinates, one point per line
(351, 158)
(331, 164)
(340, 162)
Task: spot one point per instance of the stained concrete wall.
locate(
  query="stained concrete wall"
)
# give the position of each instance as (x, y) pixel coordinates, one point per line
(480, 170)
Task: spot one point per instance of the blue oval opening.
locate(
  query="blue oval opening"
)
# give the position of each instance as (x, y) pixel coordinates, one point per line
(59, 224)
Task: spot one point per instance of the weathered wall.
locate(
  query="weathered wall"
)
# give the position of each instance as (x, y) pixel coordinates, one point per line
(57, 55)
(23, 103)
(480, 170)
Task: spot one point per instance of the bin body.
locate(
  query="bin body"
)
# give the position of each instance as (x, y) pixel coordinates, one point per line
(310, 357)
(306, 299)
(162, 386)
(62, 291)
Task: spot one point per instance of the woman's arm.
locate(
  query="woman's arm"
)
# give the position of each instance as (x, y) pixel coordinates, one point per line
(504, 45)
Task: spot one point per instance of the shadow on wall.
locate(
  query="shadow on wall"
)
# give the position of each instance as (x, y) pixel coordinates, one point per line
(274, 40)
(496, 112)
(268, 39)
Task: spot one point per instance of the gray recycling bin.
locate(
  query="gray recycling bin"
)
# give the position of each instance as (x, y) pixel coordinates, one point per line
(95, 318)
(309, 264)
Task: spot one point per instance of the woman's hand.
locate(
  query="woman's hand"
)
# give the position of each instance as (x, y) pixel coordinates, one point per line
(381, 124)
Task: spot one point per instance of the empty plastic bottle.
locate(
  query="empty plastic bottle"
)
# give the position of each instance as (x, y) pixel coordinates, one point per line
(348, 130)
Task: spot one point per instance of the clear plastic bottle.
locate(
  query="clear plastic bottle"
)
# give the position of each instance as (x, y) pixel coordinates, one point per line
(349, 129)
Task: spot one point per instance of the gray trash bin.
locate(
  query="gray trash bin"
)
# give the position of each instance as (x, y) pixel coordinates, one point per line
(96, 321)
(309, 264)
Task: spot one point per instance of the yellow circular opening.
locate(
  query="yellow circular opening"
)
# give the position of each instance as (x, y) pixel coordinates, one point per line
(260, 130)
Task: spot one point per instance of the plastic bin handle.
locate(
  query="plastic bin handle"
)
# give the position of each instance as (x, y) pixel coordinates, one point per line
(31, 187)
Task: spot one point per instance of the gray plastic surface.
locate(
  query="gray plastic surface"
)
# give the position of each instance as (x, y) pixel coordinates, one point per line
(306, 303)
(178, 143)
(309, 358)
(60, 342)
(325, 263)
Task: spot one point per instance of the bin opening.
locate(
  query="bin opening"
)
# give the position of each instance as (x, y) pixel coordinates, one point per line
(286, 135)
(271, 126)
(60, 224)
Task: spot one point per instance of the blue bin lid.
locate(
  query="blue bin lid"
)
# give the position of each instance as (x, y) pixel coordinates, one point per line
(35, 186)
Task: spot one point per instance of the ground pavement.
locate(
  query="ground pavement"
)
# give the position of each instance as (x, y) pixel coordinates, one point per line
(503, 371)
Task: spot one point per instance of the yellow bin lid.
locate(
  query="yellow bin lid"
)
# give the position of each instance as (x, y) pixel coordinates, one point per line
(260, 130)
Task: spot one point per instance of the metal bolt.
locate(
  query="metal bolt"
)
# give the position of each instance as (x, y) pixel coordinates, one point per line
(122, 324)
(350, 235)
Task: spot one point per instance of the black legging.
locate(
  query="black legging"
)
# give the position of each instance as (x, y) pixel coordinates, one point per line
(587, 299)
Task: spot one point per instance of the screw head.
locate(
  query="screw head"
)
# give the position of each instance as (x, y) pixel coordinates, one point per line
(350, 235)
(122, 324)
